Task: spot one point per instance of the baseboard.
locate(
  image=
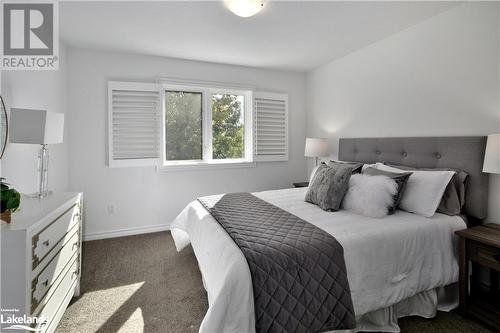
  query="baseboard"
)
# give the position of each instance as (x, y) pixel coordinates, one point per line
(125, 232)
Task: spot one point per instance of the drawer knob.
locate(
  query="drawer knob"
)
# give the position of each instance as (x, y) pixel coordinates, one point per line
(496, 257)
(46, 243)
(45, 283)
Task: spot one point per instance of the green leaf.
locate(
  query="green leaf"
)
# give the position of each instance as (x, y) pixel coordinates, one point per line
(13, 204)
(10, 200)
(7, 194)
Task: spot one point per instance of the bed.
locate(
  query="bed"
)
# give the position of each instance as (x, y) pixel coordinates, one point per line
(400, 265)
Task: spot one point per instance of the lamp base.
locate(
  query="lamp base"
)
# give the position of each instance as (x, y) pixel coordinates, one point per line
(43, 173)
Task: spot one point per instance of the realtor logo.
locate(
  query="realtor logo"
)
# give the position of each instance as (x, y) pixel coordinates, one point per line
(13, 319)
(30, 36)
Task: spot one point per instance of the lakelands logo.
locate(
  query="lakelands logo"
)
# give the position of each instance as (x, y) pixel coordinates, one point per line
(10, 319)
(30, 39)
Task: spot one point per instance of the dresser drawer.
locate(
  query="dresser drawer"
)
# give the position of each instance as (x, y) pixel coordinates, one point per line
(484, 254)
(46, 279)
(47, 238)
(55, 250)
(64, 289)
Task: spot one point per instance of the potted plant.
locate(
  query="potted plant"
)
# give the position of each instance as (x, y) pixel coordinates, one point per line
(9, 200)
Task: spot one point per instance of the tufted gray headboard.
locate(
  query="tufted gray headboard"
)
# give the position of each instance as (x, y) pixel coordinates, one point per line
(464, 153)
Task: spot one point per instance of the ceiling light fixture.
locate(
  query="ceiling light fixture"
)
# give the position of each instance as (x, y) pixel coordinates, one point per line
(245, 8)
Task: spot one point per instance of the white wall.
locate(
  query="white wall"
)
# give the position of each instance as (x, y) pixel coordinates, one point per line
(439, 77)
(143, 198)
(495, 179)
(46, 90)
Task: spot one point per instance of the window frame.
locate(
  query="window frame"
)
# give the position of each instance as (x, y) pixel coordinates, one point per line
(208, 161)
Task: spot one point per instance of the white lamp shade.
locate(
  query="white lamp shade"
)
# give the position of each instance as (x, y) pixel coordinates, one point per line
(35, 126)
(492, 154)
(316, 147)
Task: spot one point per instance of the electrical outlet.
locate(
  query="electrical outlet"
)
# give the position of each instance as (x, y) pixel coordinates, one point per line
(111, 209)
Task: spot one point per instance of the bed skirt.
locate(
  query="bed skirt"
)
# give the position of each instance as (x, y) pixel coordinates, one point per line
(424, 304)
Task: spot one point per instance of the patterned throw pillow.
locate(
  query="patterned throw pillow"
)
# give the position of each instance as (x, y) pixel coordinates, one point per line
(356, 166)
(329, 185)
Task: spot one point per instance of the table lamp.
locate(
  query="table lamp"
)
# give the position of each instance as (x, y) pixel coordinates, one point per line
(316, 147)
(492, 154)
(37, 127)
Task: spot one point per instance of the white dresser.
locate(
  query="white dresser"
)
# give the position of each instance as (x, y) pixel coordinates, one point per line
(41, 259)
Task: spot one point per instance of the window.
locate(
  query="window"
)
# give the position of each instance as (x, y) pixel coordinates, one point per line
(207, 125)
(183, 126)
(177, 124)
(228, 130)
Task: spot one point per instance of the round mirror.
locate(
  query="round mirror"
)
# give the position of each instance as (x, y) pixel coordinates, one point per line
(4, 127)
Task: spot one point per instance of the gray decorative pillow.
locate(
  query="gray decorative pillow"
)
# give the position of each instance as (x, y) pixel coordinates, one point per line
(400, 178)
(356, 166)
(453, 200)
(329, 185)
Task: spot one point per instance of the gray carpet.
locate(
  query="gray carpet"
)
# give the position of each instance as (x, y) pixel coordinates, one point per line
(141, 284)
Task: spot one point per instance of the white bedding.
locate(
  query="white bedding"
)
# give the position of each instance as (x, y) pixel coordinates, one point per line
(388, 259)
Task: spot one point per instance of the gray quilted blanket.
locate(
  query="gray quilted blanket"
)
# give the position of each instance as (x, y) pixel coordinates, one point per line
(298, 270)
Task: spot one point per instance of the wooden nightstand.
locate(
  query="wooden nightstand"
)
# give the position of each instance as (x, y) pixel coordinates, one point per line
(481, 247)
(301, 184)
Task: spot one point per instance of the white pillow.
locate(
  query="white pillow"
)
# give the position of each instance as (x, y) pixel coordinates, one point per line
(424, 189)
(366, 166)
(370, 195)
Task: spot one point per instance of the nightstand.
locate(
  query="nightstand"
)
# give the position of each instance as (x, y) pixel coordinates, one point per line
(480, 246)
(301, 184)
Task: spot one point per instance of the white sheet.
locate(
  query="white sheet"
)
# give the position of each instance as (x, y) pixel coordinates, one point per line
(387, 260)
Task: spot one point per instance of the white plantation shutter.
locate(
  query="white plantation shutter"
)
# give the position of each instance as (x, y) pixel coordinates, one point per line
(134, 124)
(271, 126)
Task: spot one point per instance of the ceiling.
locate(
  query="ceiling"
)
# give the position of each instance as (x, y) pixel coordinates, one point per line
(297, 36)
